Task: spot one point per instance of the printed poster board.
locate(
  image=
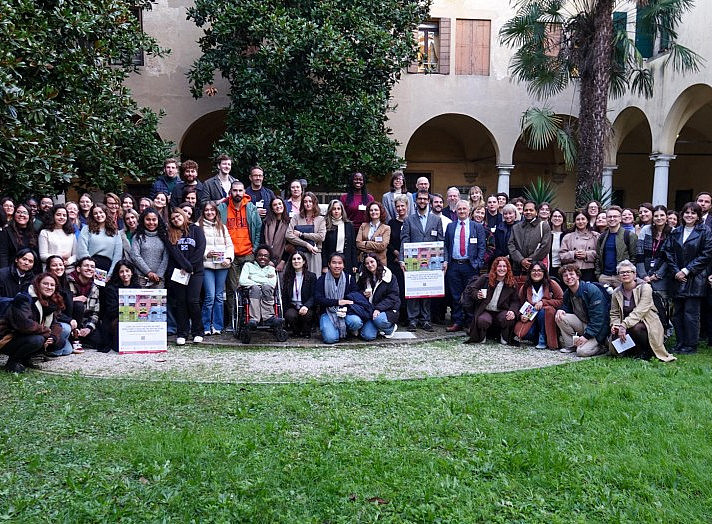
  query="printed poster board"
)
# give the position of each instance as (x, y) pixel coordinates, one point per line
(424, 277)
(142, 321)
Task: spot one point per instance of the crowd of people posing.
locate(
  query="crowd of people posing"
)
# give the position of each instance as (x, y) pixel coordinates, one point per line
(515, 270)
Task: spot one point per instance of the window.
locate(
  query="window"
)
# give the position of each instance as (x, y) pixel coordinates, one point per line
(433, 39)
(137, 58)
(472, 47)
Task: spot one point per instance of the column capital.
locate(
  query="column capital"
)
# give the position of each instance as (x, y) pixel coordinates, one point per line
(505, 167)
(662, 159)
(610, 168)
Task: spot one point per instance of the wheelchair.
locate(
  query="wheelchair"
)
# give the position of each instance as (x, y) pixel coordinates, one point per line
(241, 317)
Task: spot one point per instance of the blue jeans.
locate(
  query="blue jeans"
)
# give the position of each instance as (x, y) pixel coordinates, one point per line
(63, 344)
(329, 332)
(372, 327)
(538, 328)
(214, 286)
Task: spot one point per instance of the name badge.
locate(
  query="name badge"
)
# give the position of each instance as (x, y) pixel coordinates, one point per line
(260, 204)
(433, 233)
(493, 229)
(362, 208)
(473, 241)
(378, 239)
(292, 213)
(652, 263)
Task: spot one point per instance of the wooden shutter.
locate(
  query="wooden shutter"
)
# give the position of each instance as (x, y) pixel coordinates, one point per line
(472, 47)
(445, 32)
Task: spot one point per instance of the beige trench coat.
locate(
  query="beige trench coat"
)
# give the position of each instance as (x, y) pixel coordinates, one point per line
(644, 312)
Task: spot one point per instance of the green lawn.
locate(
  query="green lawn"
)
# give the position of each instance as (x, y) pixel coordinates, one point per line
(601, 440)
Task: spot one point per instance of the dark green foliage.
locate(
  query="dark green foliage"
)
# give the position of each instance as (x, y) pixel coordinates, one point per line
(65, 114)
(310, 81)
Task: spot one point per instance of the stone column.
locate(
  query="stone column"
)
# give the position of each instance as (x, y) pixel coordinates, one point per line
(504, 171)
(660, 180)
(607, 179)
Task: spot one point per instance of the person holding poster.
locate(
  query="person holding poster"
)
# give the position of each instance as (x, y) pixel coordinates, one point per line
(422, 226)
(464, 255)
(124, 276)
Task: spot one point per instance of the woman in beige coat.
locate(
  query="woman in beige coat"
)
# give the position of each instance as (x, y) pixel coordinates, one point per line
(579, 247)
(373, 236)
(633, 313)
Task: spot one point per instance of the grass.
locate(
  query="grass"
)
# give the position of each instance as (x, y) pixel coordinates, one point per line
(600, 440)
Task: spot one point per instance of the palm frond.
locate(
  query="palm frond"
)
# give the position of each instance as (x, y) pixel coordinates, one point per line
(540, 126)
(683, 59)
(540, 191)
(642, 82)
(567, 144)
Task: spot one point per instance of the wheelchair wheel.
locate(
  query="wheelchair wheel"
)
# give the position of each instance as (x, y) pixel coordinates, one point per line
(281, 335)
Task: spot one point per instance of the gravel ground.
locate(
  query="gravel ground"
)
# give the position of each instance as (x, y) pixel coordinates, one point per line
(220, 362)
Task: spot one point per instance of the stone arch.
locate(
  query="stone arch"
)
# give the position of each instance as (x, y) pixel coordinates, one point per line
(629, 149)
(547, 163)
(453, 149)
(690, 101)
(199, 139)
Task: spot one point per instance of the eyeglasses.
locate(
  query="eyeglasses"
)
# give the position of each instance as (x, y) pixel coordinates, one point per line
(626, 272)
(536, 271)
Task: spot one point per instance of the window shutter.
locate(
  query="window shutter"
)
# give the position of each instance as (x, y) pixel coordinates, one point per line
(413, 67)
(644, 34)
(445, 32)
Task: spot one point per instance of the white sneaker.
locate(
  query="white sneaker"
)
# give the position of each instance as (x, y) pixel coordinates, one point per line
(216, 332)
(206, 332)
(180, 341)
(395, 328)
(502, 341)
(197, 339)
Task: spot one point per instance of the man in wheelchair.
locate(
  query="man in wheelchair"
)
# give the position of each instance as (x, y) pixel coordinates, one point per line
(261, 279)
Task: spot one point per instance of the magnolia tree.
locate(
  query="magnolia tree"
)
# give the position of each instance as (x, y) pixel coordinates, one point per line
(66, 117)
(310, 81)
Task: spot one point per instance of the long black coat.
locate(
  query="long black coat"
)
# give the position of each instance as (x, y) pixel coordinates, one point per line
(329, 246)
(695, 255)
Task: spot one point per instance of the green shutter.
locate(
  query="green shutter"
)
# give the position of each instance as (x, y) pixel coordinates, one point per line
(620, 25)
(644, 34)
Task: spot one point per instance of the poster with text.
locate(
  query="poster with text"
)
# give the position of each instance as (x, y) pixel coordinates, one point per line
(424, 277)
(142, 321)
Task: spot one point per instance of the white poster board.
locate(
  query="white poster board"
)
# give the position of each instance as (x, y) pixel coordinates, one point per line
(424, 276)
(142, 321)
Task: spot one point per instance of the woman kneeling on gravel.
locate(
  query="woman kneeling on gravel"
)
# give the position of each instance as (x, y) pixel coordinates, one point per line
(633, 313)
(380, 287)
(493, 300)
(331, 292)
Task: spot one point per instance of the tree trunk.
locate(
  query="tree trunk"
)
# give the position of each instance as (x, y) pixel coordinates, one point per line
(595, 81)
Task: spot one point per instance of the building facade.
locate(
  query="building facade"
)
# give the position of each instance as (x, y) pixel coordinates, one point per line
(458, 113)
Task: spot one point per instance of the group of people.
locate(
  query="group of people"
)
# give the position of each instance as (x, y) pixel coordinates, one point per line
(343, 270)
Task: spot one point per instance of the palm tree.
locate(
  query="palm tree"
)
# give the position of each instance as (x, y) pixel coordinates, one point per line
(563, 42)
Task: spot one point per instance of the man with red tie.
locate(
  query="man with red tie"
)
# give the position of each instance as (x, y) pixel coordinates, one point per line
(464, 257)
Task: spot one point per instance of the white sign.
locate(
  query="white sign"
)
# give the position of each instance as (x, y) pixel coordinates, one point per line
(424, 277)
(142, 321)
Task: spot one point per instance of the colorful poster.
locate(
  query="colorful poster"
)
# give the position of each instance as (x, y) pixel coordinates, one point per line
(424, 277)
(142, 321)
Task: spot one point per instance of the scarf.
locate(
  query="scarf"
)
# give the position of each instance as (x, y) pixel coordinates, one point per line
(340, 234)
(335, 291)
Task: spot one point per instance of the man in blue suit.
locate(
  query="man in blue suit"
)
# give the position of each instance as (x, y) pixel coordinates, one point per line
(465, 243)
(422, 226)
